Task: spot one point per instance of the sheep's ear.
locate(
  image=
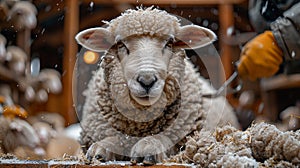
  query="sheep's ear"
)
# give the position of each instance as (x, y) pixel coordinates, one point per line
(95, 39)
(192, 37)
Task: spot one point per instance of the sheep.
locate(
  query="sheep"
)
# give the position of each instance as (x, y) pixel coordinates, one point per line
(54, 120)
(4, 9)
(17, 14)
(22, 15)
(2, 48)
(54, 140)
(145, 98)
(47, 81)
(17, 59)
(44, 131)
(50, 80)
(291, 117)
(15, 133)
(54, 143)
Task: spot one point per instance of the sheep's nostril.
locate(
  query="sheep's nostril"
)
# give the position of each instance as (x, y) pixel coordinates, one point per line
(147, 81)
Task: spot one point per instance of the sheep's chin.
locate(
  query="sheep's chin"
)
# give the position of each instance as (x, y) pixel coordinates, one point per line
(145, 101)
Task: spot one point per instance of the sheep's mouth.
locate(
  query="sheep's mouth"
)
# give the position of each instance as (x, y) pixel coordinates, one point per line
(145, 97)
(145, 100)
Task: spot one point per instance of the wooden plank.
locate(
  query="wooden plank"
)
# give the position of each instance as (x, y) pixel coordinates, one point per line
(71, 25)
(280, 82)
(117, 166)
(14, 163)
(84, 166)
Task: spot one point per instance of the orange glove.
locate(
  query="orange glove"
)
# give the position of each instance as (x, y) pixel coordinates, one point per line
(260, 57)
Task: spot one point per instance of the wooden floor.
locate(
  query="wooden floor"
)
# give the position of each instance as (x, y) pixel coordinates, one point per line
(13, 163)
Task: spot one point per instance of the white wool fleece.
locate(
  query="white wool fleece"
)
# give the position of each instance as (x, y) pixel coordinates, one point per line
(143, 21)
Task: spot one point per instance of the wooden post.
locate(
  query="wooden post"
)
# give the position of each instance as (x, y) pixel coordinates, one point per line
(226, 18)
(226, 21)
(70, 50)
(23, 40)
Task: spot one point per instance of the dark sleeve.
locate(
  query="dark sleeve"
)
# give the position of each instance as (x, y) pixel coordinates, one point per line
(286, 30)
(263, 12)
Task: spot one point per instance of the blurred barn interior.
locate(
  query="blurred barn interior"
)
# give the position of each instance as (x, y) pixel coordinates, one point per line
(51, 45)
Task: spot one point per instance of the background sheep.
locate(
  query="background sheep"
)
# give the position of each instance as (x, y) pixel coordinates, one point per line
(15, 133)
(146, 96)
(16, 59)
(54, 139)
(2, 48)
(55, 144)
(22, 15)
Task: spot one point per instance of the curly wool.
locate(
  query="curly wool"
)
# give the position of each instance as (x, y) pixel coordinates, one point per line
(176, 120)
(143, 21)
(182, 115)
(269, 142)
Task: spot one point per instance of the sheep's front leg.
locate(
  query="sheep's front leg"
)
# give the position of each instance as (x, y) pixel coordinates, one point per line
(151, 150)
(107, 149)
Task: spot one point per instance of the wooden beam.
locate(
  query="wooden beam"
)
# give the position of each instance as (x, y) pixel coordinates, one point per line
(226, 21)
(157, 2)
(281, 81)
(70, 51)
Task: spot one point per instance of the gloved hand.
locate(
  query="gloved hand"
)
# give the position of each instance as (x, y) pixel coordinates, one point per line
(260, 57)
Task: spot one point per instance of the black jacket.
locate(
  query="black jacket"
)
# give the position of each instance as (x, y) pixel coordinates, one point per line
(283, 18)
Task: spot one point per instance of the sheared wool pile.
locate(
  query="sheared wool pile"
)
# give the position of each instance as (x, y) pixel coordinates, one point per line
(261, 145)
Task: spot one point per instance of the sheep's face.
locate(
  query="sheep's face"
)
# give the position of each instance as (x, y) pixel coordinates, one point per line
(144, 56)
(144, 61)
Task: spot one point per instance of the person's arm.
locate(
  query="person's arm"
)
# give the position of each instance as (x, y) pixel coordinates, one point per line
(286, 31)
(262, 56)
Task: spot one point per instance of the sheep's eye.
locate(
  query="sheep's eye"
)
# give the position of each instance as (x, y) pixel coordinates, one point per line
(169, 43)
(122, 47)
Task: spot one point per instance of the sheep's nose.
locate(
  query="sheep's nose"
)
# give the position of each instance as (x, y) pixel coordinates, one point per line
(147, 81)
